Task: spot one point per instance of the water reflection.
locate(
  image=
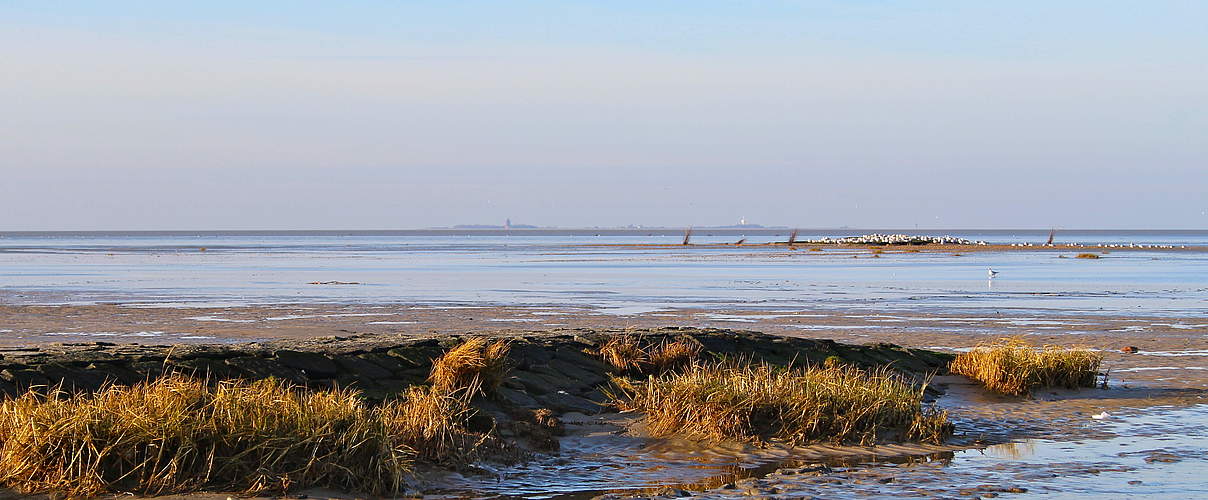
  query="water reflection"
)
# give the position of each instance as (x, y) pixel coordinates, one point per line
(1159, 453)
(1014, 451)
(540, 270)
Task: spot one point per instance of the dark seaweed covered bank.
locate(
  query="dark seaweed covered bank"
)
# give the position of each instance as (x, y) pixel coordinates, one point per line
(549, 369)
(517, 383)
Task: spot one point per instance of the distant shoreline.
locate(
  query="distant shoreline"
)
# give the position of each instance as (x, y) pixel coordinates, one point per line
(1041, 234)
(994, 247)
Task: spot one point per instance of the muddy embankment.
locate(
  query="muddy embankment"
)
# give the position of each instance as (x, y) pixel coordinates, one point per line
(548, 369)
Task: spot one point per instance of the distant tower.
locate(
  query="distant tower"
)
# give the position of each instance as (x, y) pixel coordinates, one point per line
(742, 221)
(508, 224)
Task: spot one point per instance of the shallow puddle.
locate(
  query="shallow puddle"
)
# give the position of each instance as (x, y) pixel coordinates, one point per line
(1160, 452)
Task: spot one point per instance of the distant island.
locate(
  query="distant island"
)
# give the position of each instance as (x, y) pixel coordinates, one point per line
(631, 226)
(742, 224)
(489, 226)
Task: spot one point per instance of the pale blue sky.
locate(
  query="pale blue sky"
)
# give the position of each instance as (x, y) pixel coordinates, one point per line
(297, 115)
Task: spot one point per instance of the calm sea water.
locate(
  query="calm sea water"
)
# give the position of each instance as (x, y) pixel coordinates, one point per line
(566, 268)
(563, 268)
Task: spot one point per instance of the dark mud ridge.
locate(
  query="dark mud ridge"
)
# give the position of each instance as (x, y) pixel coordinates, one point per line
(549, 369)
(550, 373)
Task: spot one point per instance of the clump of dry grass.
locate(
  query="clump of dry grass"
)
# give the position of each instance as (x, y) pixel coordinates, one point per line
(476, 362)
(431, 422)
(632, 355)
(672, 355)
(1086, 256)
(1014, 366)
(624, 353)
(760, 402)
(180, 434)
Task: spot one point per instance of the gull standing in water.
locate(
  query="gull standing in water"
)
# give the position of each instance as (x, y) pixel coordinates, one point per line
(992, 273)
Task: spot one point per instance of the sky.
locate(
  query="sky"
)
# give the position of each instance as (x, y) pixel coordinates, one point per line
(130, 115)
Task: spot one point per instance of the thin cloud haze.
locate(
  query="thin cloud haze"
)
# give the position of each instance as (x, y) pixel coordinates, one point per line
(230, 116)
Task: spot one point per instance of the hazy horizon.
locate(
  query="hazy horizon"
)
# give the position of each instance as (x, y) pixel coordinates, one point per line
(638, 230)
(144, 115)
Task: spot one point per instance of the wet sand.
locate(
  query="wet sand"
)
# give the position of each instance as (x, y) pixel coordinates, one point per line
(1018, 437)
(1164, 344)
(934, 247)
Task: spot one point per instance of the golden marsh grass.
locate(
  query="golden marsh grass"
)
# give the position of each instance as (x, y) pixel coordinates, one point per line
(630, 354)
(179, 434)
(431, 423)
(1015, 366)
(760, 402)
(476, 362)
(624, 353)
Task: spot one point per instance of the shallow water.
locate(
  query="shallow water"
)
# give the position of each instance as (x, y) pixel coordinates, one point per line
(1159, 453)
(171, 271)
(234, 270)
(1156, 453)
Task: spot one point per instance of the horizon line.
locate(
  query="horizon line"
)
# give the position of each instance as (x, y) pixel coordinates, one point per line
(500, 229)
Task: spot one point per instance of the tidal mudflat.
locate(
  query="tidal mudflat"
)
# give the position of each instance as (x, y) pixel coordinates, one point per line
(1143, 432)
(1142, 308)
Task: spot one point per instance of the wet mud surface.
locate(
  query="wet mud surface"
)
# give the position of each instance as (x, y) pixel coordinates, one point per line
(1150, 438)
